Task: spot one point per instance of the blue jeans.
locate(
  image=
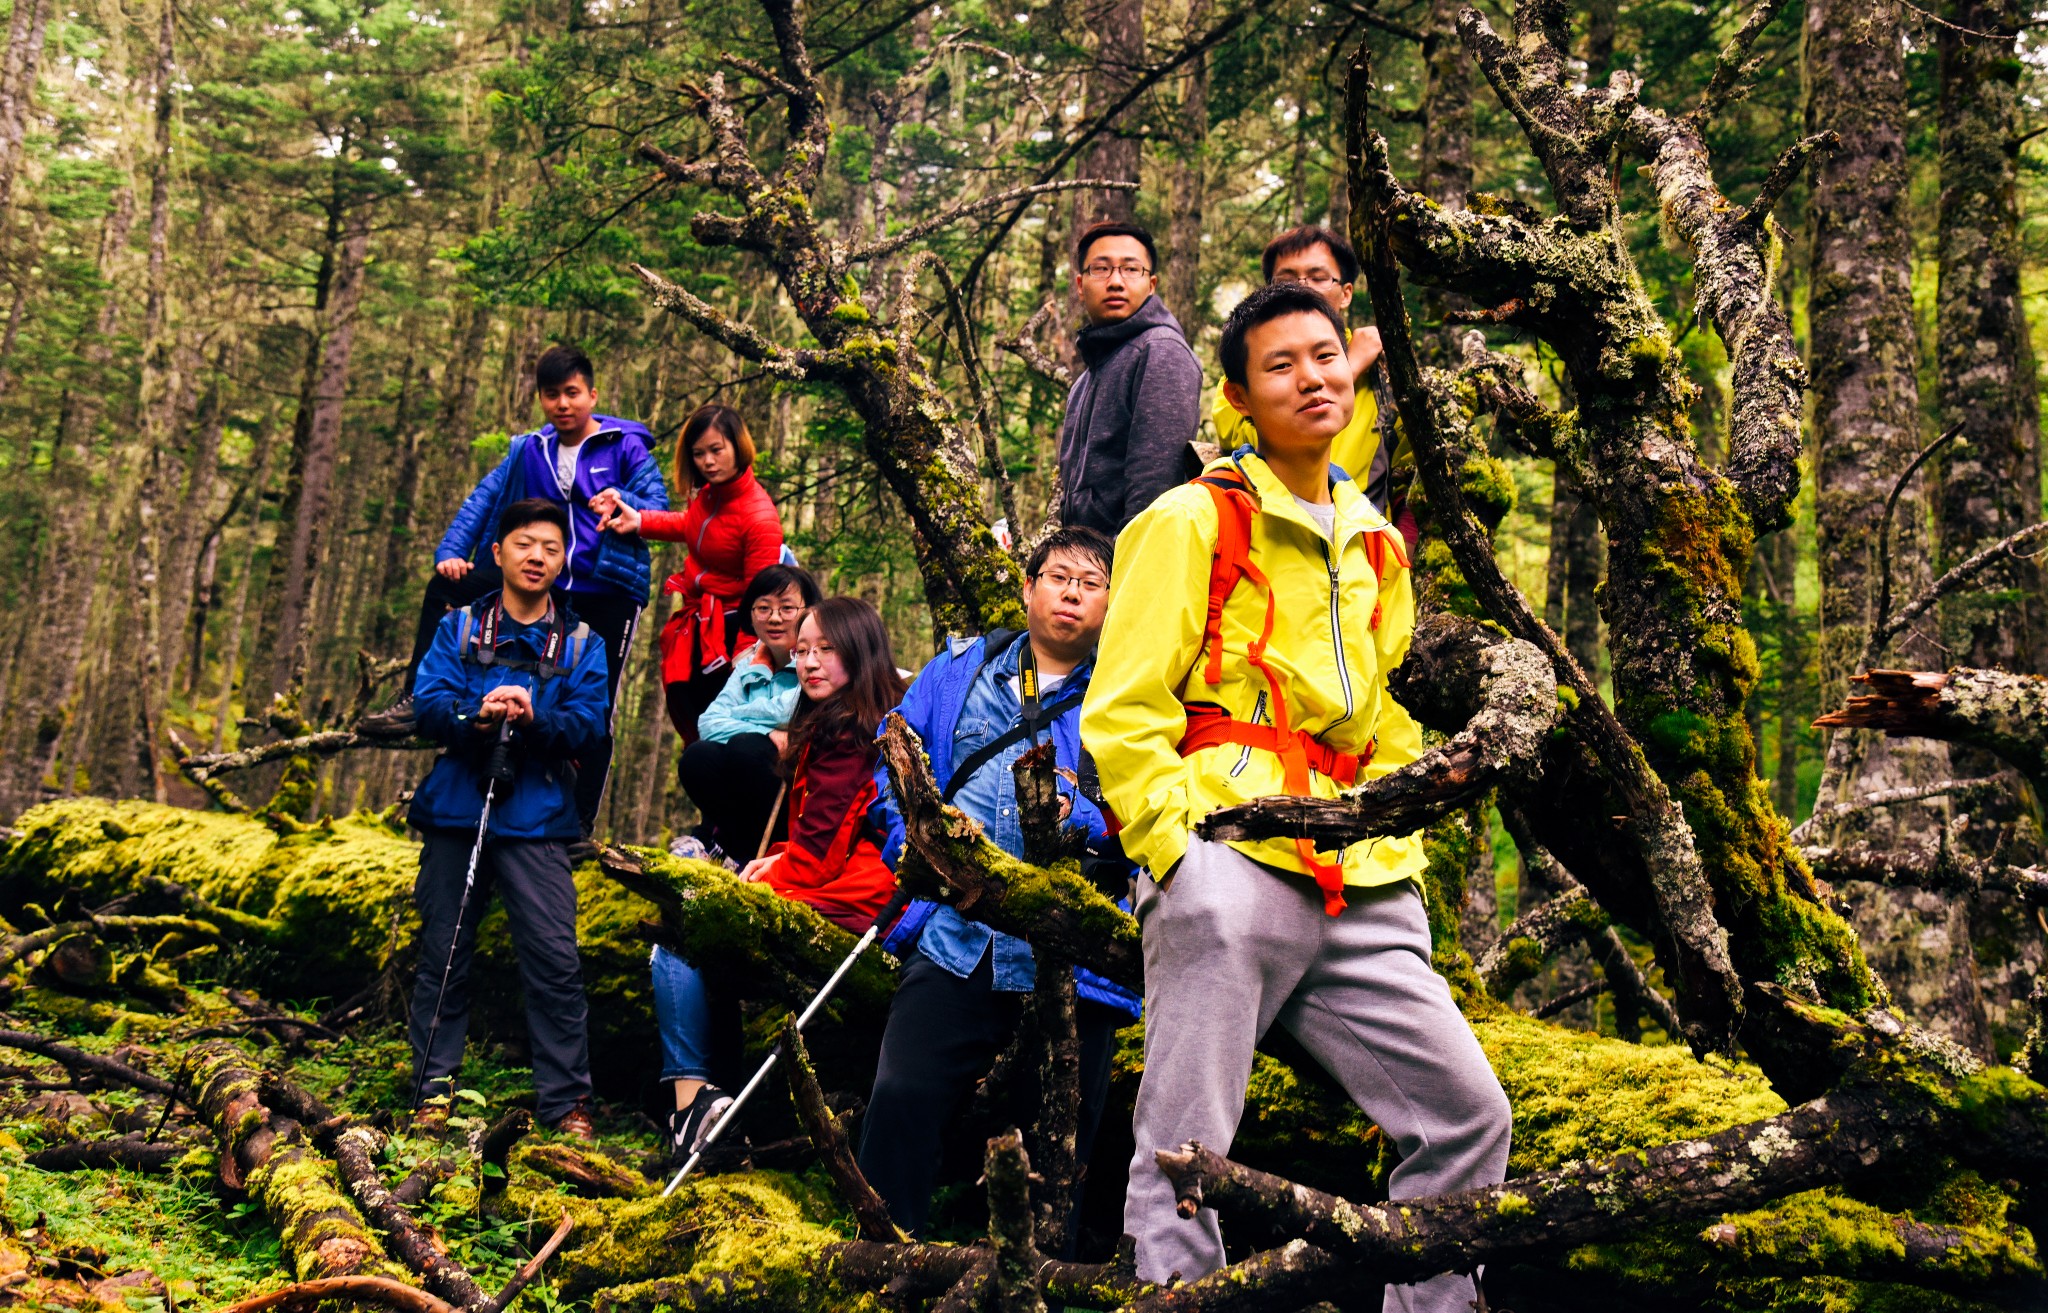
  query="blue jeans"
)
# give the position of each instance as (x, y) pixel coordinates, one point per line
(683, 1012)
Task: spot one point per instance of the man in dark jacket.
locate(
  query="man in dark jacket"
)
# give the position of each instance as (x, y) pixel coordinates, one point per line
(1131, 416)
(962, 986)
(568, 461)
(514, 657)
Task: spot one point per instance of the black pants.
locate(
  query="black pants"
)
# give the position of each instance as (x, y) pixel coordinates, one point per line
(611, 617)
(734, 785)
(942, 1036)
(687, 698)
(532, 878)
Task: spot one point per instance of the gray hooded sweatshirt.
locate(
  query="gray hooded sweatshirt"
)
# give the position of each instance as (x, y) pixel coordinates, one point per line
(1129, 418)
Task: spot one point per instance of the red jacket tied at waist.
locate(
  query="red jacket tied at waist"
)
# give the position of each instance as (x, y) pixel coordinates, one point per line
(733, 533)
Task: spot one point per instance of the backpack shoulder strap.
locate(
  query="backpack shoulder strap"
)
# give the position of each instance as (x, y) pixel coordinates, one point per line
(1229, 561)
(465, 635)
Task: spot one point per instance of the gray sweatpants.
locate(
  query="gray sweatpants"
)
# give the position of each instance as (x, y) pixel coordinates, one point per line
(1233, 946)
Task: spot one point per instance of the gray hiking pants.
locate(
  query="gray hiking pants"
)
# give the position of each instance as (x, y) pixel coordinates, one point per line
(1232, 947)
(531, 877)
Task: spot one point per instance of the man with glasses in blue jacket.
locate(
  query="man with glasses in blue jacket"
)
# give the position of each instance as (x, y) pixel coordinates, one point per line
(979, 706)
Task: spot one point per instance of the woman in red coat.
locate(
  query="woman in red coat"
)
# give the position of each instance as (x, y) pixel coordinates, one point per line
(732, 532)
(848, 682)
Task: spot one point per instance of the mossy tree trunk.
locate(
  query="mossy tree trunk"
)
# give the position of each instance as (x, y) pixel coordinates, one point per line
(930, 457)
(1680, 530)
(1863, 353)
(1984, 365)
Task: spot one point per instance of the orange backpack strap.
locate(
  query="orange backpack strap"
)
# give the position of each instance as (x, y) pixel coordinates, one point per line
(1231, 561)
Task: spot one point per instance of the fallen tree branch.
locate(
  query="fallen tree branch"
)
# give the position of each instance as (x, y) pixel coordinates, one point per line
(205, 766)
(1013, 1275)
(1053, 906)
(827, 1133)
(924, 1271)
(1876, 1120)
(2002, 713)
(531, 1267)
(78, 1060)
(367, 1289)
(1296, 1275)
(1538, 935)
(1516, 691)
(1955, 790)
(22, 945)
(135, 1153)
(355, 1151)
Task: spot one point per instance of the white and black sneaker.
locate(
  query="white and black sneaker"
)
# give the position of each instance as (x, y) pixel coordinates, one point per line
(689, 1128)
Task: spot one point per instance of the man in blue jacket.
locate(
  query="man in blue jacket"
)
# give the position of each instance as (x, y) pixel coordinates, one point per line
(570, 460)
(515, 657)
(960, 993)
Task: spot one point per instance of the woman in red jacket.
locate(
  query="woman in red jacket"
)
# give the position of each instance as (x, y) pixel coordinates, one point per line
(732, 532)
(848, 682)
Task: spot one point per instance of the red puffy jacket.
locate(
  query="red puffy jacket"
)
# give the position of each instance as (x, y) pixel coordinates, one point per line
(831, 861)
(733, 534)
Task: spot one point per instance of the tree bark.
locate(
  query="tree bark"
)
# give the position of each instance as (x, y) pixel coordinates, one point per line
(1983, 360)
(1114, 156)
(26, 30)
(316, 440)
(1181, 279)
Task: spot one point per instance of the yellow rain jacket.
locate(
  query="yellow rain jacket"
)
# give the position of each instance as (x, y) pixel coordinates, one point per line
(1332, 660)
(1351, 450)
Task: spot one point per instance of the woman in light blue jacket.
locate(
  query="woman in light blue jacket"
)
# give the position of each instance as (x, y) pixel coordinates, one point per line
(730, 772)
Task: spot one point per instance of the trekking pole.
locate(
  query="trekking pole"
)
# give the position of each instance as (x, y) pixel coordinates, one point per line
(498, 771)
(731, 1116)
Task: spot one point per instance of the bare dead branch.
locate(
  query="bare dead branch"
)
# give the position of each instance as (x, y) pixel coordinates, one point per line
(1014, 1275)
(1790, 164)
(741, 340)
(79, 1060)
(325, 743)
(2007, 549)
(1373, 18)
(688, 172)
(870, 1213)
(1538, 935)
(953, 214)
(1873, 651)
(1734, 67)
(1959, 790)
(1297, 1275)
(1517, 693)
(532, 1266)
(384, 1291)
(2002, 713)
(1024, 345)
(1924, 866)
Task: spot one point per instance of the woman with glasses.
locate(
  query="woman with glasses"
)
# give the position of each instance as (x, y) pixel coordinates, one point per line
(732, 532)
(847, 681)
(730, 771)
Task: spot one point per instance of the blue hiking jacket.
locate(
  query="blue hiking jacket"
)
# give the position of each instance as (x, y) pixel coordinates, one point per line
(932, 708)
(569, 714)
(614, 456)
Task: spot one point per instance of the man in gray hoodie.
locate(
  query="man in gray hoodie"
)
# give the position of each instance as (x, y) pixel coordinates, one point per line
(1131, 415)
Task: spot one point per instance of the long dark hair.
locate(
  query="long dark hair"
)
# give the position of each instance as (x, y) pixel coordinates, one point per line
(873, 688)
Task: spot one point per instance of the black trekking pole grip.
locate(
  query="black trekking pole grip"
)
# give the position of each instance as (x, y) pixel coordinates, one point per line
(500, 769)
(891, 910)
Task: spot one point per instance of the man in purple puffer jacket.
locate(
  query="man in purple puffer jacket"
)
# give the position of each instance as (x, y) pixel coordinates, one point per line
(605, 576)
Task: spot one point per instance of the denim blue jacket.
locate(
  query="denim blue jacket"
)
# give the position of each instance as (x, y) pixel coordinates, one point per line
(956, 704)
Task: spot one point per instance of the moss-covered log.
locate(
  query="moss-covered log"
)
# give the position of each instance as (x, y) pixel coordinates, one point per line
(272, 1158)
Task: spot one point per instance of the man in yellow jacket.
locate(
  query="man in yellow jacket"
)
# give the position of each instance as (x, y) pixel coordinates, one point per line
(1281, 690)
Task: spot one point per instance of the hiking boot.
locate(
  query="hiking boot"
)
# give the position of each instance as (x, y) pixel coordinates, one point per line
(689, 1127)
(431, 1118)
(394, 721)
(576, 1123)
(692, 848)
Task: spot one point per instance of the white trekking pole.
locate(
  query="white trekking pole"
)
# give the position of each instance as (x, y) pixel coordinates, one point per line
(499, 771)
(731, 1115)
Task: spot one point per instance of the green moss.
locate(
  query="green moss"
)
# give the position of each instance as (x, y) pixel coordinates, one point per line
(850, 312)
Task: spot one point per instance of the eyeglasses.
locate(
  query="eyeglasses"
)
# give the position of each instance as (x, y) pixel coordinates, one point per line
(765, 611)
(1102, 269)
(1086, 583)
(1318, 280)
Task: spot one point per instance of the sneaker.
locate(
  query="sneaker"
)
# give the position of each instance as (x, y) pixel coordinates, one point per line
(576, 1123)
(395, 721)
(692, 848)
(689, 1128)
